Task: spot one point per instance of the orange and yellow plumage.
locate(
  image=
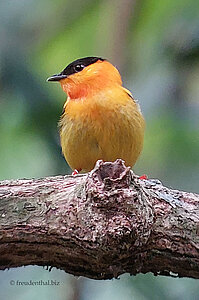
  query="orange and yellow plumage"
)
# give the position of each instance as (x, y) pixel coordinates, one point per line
(101, 120)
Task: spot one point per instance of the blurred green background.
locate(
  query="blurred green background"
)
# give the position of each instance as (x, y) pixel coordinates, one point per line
(155, 45)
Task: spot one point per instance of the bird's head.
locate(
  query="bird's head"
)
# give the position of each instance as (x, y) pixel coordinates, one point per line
(87, 76)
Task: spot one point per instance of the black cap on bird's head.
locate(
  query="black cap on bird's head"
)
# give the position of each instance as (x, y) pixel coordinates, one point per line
(74, 67)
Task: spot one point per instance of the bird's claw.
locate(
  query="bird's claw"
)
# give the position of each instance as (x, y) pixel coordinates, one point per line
(75, 172)
(143, 177)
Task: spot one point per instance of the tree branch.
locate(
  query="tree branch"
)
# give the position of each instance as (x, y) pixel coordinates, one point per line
(100, 224)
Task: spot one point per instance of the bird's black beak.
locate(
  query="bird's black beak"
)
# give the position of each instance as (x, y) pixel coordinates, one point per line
(56, 77)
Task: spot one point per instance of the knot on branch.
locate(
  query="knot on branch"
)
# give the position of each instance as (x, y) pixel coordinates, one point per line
(118, 205)
(108, 175)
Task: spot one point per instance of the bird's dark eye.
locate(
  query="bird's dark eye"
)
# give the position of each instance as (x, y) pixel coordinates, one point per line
(78, 68)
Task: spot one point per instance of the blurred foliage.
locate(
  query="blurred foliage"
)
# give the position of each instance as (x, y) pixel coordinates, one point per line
(155, 45)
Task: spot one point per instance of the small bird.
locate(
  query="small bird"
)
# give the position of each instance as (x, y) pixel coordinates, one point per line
(101, 119)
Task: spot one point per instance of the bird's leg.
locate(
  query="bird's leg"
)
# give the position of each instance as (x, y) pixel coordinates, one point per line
(143, 177)
(75, 172)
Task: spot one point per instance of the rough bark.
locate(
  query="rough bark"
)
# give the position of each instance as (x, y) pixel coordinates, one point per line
(100, 224)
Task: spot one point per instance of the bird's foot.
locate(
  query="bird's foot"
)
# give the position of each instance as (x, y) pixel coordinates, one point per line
(143, 177)
(75, 172)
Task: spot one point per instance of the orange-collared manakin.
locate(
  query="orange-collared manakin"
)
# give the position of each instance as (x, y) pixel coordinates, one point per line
(101, 120)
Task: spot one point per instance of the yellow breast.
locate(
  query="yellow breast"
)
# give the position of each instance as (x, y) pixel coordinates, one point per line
(106, 126)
